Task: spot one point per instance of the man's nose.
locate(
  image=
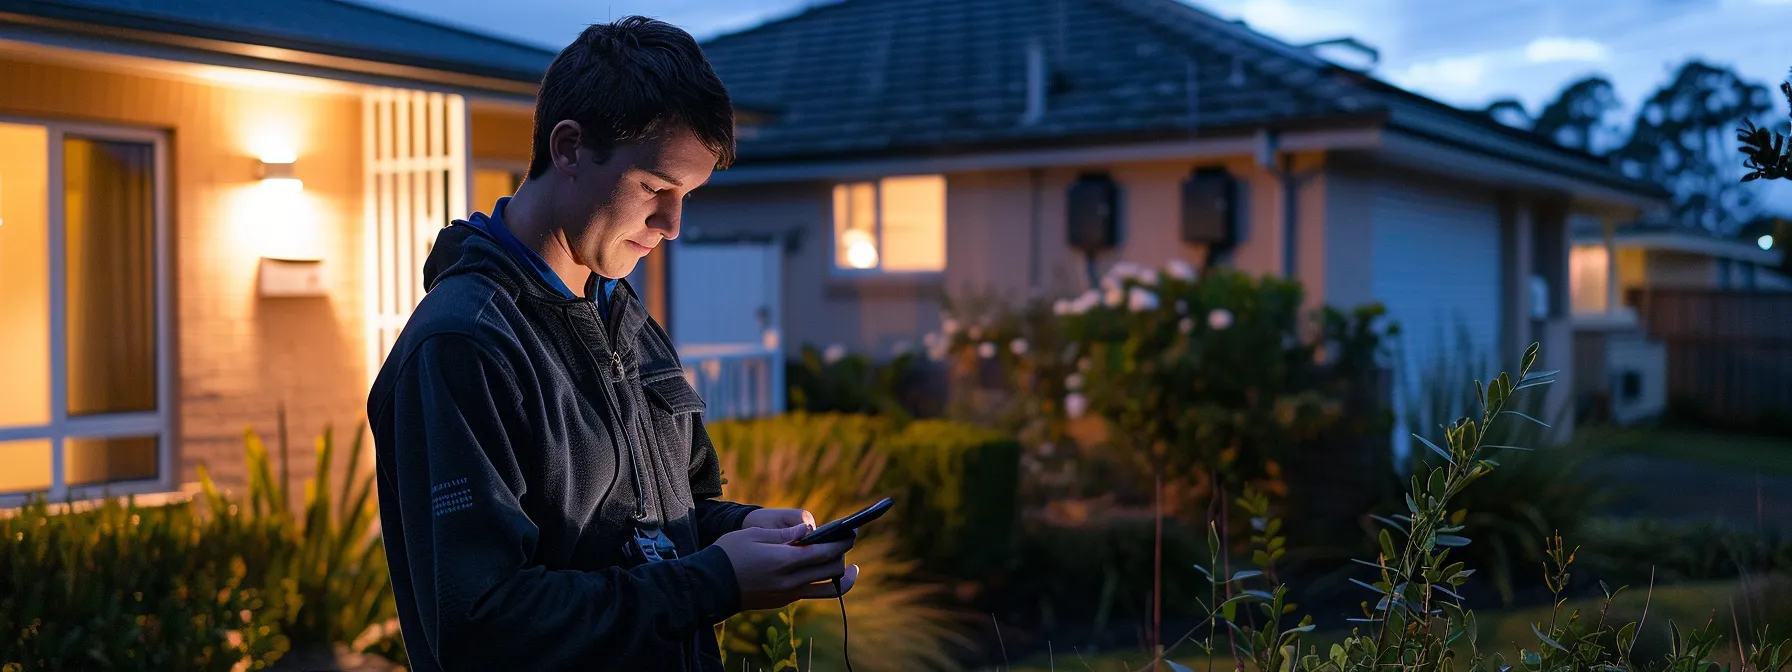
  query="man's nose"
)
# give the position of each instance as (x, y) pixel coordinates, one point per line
(665, 218)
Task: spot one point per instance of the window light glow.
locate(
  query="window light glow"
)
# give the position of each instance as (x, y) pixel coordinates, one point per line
(1766, 242)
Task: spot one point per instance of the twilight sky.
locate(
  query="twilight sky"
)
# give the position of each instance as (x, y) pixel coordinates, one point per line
(1466, 52)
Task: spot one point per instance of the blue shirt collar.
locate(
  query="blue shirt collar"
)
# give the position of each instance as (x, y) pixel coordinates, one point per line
(495, 226)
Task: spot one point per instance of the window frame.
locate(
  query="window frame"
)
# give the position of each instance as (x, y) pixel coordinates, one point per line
(62, 427)
(839, 271)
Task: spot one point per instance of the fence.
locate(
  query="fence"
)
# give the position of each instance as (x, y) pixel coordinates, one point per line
(1728, 352)
(736, 381)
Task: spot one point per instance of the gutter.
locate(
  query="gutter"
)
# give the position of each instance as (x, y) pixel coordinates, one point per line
(153, 38)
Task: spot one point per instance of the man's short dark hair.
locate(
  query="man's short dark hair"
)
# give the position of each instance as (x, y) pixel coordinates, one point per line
(629, 80)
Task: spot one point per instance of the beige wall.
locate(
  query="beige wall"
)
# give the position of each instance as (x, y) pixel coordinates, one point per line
(502, 135)
(997, 243)
(239, 356)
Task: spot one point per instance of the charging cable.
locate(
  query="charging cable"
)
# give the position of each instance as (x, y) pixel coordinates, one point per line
(845, 643)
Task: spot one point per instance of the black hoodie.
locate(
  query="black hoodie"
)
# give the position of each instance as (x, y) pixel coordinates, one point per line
(504, 423)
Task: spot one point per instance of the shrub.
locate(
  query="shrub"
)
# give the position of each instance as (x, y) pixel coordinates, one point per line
(832, 465)
(1417, 620)
(187, 586)
(126, 587)
(840, 382)
(322, 567)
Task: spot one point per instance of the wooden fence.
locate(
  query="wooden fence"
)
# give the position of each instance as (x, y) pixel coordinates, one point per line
(1728, 352)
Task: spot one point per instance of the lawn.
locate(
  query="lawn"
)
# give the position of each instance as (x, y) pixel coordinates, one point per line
(1752, 454)
(1687, 606)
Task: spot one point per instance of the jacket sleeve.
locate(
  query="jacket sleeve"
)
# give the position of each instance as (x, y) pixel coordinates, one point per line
(484, 602)
(714, 516)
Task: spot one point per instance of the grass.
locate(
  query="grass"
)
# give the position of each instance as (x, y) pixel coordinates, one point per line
(1687, 606)
(1767, 456)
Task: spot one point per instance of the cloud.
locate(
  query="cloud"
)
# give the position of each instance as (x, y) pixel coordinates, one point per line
(1455, 73)
(1560, 49)
(1297, 20)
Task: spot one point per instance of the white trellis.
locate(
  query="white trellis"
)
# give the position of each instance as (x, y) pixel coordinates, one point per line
(414, 145)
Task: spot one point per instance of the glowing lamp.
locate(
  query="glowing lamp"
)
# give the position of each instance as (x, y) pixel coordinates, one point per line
(278, 176)
(1766, 242)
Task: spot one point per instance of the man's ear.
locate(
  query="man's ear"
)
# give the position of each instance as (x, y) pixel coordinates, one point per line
(563, 146)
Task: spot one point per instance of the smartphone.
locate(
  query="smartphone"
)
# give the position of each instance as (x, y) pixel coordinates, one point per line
(844, 527)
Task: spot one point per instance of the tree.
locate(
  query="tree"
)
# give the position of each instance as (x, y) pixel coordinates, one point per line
(1680, 141)
(1510, 112)
(1578, 119)
(1765, 152)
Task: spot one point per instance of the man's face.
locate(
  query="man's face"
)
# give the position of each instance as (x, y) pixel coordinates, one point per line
(617, 211)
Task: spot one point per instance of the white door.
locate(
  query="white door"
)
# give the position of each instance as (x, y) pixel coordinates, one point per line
(725, 313)
(725, 294)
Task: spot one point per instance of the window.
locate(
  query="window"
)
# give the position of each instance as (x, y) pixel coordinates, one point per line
(83, 323)
(491, 184)
(896, 224)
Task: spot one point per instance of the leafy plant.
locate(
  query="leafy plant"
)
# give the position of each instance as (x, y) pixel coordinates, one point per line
(322, 567)
(836, 381)
(832, 465)
(1214, 378)
(1417, 620)
(125, 587)
(1765, 152)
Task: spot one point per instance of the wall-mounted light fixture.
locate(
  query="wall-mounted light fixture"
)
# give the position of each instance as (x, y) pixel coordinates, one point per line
(281, 274)
(279, 176)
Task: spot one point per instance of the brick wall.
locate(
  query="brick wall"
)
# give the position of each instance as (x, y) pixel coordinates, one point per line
(238, 356)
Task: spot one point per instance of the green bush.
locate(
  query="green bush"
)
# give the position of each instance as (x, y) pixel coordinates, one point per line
(126, 587)
(832, 465)
(200, 585)
(842, 382)
(954, 483)
(323, 566)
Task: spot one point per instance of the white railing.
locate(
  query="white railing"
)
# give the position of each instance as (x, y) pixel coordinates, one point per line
(736, 381)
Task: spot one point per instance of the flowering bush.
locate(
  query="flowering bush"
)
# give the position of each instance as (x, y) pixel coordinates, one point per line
(1209, 376)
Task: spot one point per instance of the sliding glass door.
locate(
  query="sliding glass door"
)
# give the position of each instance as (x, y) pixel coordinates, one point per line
(84, 349)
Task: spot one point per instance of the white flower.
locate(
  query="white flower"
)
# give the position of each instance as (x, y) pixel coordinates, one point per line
(1124, 270)
(834, 353)
(1219, 319)
(1082, 364)
(1187, 325)
(1085, 302)
(1045, 449)
(1140, 299)
(949, 325)
(1075, 405)
(932, 340)
(901, 348)
(975, 333)
(1073, 382)
(1061, 307)
(1148, 277)
(1018, 346)
(1181, 307)
(1110, 284)
(1180, 270)
(986, 349)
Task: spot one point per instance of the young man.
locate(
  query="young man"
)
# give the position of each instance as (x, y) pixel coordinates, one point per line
(547, 490)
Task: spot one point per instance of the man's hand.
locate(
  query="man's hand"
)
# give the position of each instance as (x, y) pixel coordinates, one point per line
(778, 519)
(772, 573)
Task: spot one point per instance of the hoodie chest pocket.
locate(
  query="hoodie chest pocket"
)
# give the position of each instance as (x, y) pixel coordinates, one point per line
(674, 409)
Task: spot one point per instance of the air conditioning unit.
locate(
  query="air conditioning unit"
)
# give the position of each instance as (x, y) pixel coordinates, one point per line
(1637, 371)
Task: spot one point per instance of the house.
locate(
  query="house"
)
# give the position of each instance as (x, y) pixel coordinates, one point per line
(914, 148)
(1621, 368)
(210, 209)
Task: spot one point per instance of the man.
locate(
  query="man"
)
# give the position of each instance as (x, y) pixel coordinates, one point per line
(547, 490)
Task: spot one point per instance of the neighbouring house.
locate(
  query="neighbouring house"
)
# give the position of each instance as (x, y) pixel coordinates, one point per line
(914, 148)
(1622, 369)
(210, 209)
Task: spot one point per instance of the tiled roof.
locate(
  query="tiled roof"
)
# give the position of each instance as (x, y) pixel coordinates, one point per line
(333, 27)
(942, 76)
